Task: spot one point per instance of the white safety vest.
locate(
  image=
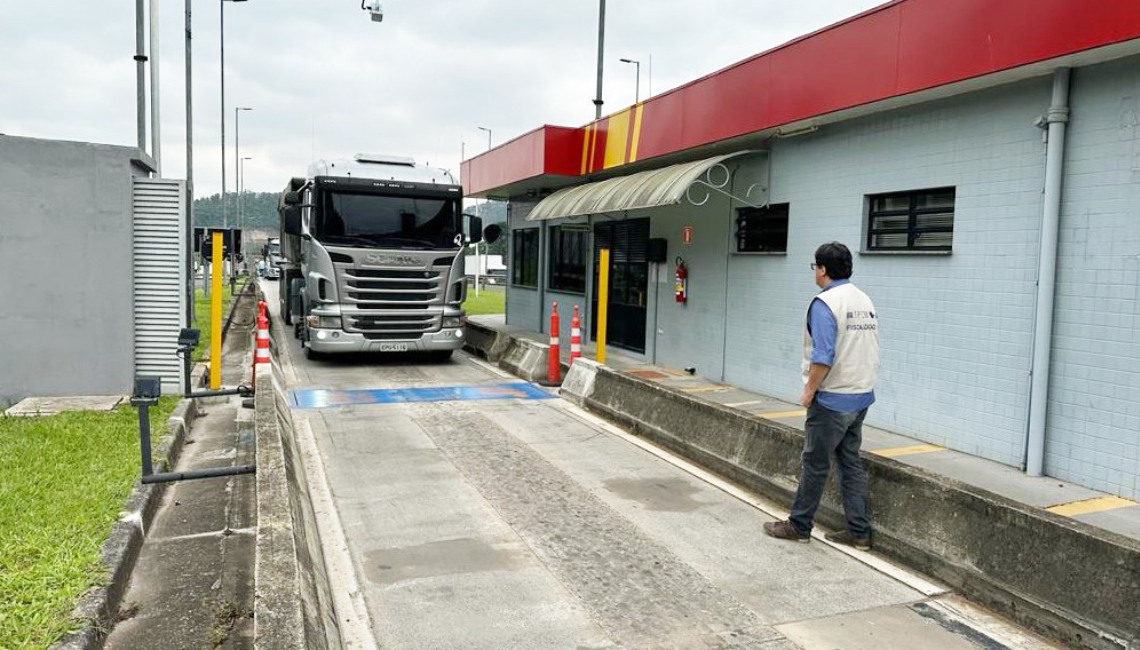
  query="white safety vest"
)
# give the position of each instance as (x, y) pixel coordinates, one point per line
(856, 365)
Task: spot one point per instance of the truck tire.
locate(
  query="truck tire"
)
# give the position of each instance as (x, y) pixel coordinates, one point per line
(313, 355)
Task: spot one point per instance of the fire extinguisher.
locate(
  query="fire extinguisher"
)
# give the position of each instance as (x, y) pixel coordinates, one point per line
(681, 282)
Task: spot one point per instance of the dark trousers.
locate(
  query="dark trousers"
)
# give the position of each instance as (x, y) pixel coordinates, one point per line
(830, 433)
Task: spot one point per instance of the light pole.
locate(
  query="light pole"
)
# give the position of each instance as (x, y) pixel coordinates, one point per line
(601, 49)
(241, 200)
(237, 155)
(140, 72)
(189, 180)
(478, 262)
(637, 87)
(241, 192)
(222, 49)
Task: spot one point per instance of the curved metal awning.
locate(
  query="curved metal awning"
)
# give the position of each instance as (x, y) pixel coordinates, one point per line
(647, 189)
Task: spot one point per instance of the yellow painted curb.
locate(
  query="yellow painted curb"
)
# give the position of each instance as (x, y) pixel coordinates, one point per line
(895, 452)
(1088, 506)
(776, 415)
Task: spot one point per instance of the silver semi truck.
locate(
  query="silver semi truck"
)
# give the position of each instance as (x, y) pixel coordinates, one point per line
(371, 257)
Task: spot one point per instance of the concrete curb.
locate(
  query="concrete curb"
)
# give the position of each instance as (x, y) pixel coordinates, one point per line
(486, 342)
(293, 607)
(521, 357)
(99, 605)
(1068, 580)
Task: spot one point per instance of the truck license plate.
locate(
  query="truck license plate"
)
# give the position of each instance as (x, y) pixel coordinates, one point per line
(393, 347)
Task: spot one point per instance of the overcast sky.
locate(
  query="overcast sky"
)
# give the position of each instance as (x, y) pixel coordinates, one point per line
(326, 82)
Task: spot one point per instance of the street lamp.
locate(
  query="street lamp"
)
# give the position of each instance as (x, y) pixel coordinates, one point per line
(483, 128)
(601, 48)
(637, 87)
(237, 154)
(241, 191)
(222, 40)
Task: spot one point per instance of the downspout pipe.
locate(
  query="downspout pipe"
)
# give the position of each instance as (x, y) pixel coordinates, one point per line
(1057, 120)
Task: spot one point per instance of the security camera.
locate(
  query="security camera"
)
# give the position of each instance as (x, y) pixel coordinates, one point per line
(374, 9)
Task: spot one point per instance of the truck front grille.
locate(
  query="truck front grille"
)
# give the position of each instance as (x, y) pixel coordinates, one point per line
(390, 304)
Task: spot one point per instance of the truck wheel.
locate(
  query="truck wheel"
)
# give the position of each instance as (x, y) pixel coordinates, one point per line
(313, 355)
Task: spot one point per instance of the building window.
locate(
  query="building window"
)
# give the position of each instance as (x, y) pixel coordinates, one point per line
(911, 221)
(524, 258)
(568, 259)
(762, 230)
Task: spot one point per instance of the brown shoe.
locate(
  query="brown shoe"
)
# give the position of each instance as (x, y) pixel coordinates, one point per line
(785, 530)
(847, 538)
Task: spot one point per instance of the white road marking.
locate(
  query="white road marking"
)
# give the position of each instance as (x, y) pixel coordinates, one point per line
(903, 575)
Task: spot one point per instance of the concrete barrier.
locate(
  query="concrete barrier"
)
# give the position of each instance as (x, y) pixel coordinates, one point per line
(1067, 580)
(293, 606)
(486, 342)
(519, 356)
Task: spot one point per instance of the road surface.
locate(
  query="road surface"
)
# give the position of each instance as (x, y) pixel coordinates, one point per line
(465, 509)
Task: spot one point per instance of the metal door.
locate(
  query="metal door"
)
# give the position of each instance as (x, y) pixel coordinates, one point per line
(629, 281)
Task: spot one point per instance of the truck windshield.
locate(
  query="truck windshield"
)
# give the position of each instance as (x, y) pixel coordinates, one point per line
(371, 220)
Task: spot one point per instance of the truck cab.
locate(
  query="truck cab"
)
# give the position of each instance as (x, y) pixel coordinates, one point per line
(371, 257)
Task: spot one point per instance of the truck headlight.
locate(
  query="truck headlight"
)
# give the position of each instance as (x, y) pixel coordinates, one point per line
(454, 321)
(324, 322)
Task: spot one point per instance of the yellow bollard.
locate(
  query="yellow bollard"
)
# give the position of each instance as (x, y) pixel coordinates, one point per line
(603, 302)
(216, 312)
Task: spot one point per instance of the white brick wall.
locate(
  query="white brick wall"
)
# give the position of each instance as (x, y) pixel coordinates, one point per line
(1094, 414)
(692, 335)
(956, 329)
(523, 309)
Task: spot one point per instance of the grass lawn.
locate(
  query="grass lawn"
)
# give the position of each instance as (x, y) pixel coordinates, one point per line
(487, 302)
(63, 481)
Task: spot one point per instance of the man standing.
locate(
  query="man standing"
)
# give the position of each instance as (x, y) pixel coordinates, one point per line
(840, 365)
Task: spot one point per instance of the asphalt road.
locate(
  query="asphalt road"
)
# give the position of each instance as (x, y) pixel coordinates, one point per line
(506, 520)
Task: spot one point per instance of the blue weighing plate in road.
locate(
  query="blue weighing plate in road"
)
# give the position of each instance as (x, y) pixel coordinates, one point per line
(317, 398)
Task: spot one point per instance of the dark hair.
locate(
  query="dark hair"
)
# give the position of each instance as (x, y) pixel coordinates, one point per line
(836, 258)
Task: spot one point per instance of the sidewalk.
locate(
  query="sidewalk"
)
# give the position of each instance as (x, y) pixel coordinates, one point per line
(1105, 511)
(1059, 558)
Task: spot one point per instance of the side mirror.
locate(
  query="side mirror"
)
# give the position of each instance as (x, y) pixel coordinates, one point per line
(492, 233)
(474, 229)
(292, 198)
(291, 220)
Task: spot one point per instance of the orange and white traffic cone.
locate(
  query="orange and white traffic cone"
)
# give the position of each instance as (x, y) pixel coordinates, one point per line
(554, 359)
(575, 336)
(261, 355)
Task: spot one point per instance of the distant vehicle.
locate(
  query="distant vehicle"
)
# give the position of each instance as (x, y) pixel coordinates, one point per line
(371, 257)
(272, 254)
